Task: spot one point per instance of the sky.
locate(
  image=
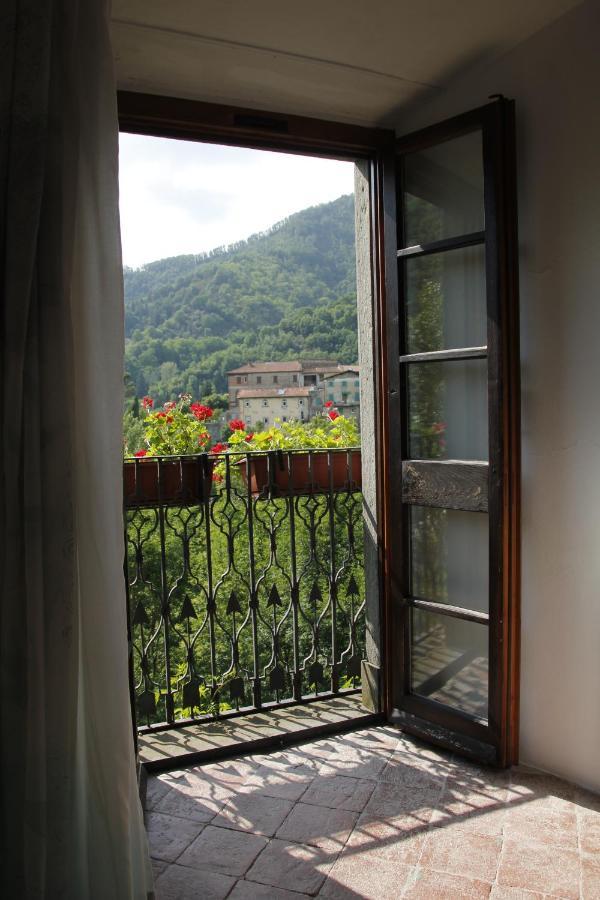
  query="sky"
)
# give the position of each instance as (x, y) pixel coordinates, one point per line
(183, 197)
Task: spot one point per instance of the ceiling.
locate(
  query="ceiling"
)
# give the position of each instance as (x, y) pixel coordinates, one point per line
(345, 60)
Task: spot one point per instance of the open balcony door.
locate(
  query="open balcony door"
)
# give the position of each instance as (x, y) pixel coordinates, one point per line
(452, 449)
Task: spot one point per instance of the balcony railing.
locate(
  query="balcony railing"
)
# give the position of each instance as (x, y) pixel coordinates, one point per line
(245, 582)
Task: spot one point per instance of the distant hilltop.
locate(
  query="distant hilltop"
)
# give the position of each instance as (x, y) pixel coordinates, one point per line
(285, 295)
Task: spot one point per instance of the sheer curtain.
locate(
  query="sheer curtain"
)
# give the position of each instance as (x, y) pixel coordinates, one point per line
(71, 818)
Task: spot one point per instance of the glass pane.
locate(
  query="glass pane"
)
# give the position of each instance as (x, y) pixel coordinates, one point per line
(449, 661)
(449, 556)
(447, 410)
(445, 300)
(444, 190)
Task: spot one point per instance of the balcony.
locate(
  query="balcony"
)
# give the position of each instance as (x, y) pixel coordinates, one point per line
(245, 583)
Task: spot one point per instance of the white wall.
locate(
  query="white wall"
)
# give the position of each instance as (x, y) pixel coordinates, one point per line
(555, 79)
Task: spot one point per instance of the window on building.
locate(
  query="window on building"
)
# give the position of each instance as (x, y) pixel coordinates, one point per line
(239, 379)
(284, 403)
(344, 383)
(247, 404)
(265, 403)
(284, 418)
(356, 382)
(302, 415)
(344, 396)
(301, 402)
(330, 396)
(275, 379)
(259, 379)
(295, 379)
(356, 396)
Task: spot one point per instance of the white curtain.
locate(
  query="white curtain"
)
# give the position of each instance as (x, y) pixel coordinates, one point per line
(71, 818)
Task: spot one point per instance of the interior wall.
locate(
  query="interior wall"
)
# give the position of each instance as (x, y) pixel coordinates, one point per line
(554, 79)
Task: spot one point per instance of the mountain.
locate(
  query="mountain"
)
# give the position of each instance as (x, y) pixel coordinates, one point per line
(286, 293)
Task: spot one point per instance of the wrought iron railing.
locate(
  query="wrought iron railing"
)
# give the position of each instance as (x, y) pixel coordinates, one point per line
(245, 581)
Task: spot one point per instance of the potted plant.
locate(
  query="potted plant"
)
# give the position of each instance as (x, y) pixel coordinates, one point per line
(177, 430)
(331, 459)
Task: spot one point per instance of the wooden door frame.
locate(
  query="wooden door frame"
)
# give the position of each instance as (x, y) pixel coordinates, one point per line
(501, 250)
(191, 120)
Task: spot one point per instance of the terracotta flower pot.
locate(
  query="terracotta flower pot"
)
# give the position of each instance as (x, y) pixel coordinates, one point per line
(301, 480)
(183, 481)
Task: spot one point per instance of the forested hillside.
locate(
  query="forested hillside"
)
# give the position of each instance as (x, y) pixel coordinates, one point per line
(283, 294)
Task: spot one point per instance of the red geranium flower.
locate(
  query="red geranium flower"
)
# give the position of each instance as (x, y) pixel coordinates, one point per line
(333, 415)
(328, 404)
(141, 453)
(218, 448)
(201, 412)
(217, 477)
(249, 436)
(237, 425)
(147, 402)
(169, 405)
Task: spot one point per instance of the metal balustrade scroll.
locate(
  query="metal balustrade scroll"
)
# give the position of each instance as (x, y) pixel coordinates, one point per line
(245, 585)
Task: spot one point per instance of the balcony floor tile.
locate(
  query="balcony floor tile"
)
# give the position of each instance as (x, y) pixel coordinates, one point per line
(370, 814)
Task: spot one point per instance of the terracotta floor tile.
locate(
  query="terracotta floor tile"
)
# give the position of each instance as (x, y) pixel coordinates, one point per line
(192, 806)
(499, 892)
(403, 768)
(355, 763)
(426, 884)
(285, 784)
(545, 824)
(353, 876)
(254, 813)
(168, 836)
(230, 771)
(539, 784)
(156, 788)
(181, 883)
(545, 868)
(158, 866)
(590, 879)
(486, 820)
(459, 852)
(318, 826)
(589, 835)
(252, 890)
(399, 840)
(339, 792)
(200, 782)
(223, 850)
(283, 864)
(385, 738)
(391, 800)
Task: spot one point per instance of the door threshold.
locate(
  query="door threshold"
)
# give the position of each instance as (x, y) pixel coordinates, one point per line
(195, 744)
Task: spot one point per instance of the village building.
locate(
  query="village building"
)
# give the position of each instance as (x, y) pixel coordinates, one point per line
(260, 392)
(342, 389)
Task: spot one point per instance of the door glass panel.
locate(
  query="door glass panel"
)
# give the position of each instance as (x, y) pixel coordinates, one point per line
(449, 554)
(447, 410)
(443, 188)
(445, 300)
(449, 661)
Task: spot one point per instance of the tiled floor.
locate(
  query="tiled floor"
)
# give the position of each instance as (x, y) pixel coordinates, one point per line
(370, 814)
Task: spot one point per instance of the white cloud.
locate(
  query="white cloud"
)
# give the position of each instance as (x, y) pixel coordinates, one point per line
(184, 197)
